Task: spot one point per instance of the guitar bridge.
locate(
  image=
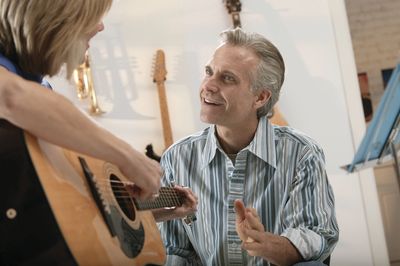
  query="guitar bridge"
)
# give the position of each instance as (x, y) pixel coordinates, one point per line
(104, 210)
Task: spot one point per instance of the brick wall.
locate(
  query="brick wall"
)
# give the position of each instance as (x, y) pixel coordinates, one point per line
(375, 31)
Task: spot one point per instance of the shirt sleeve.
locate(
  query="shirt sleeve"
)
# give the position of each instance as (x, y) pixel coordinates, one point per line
(309, 215)
(178, 247)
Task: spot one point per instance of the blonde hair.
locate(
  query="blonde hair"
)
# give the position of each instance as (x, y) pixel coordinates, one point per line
(41, 35)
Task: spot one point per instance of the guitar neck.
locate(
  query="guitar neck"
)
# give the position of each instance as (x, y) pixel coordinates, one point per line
(236, 19)
(168, 198)
(234, 7)
(168, 140)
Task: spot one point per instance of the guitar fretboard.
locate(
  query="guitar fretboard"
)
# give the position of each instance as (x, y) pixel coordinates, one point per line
(168, 198)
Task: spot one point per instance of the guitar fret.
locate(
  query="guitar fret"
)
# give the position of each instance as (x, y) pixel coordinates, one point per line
(168, 197)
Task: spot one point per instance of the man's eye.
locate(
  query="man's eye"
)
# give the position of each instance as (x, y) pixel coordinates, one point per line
(208, 71)
(228, 78)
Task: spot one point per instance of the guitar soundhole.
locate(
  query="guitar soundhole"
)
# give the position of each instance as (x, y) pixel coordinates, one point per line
(123, 197)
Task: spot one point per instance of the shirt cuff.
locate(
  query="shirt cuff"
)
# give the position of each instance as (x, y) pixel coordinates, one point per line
(308, 243)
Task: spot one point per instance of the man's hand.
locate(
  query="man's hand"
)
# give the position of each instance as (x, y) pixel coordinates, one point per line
(246, 219)
(188, 207)
(273, 248)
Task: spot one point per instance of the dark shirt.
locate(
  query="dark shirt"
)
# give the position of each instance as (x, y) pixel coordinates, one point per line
(29, 234)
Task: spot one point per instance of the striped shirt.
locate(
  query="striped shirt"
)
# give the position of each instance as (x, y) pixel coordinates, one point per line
(281, 174)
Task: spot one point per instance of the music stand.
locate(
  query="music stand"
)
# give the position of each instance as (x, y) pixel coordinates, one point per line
(381, 141)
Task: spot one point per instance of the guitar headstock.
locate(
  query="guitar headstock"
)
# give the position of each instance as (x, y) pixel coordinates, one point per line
(233, 6)
(160, 71)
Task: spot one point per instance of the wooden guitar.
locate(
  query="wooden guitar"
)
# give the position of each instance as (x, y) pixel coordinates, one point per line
(101, 223)
(159, 77)
(234, 7)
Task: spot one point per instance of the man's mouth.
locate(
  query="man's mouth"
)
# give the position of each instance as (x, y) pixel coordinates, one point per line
(212, 102)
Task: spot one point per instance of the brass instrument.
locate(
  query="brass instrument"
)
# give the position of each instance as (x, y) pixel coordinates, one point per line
(85, 87)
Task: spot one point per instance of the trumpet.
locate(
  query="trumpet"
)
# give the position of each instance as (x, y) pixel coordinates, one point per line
(84, 86)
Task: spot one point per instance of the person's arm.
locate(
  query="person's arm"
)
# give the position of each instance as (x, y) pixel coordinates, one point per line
(309, 219)
(178, 247)
(190, 200)
(257, 242)
(309, 215)
(52, 117)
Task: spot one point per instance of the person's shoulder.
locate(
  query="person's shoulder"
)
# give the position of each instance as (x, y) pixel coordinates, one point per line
(295, 136)
(189, 141)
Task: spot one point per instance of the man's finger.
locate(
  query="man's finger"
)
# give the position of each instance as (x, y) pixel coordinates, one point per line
(254, 221)
(253, 248)
(255, 235)
(240, 209)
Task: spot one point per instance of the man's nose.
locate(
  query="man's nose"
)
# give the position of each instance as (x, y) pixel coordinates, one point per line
(210, 84)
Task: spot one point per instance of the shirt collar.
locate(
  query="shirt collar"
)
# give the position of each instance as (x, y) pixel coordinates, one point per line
(262, 145)
(13, 67)
(210, 147)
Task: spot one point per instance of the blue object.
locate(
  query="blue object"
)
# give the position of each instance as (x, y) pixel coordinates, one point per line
(384, 121)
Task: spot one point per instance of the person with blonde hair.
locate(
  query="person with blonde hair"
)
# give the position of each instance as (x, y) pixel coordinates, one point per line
(38, 38)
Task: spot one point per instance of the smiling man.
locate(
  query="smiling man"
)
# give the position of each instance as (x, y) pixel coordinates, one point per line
(263, 193)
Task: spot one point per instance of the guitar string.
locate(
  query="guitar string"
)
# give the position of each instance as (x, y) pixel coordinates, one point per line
(122, 188)
(164, 200)
(168, 196)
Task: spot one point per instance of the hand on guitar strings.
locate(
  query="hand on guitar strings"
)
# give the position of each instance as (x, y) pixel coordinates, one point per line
(187, 209)
(145, 175)
(136, 192)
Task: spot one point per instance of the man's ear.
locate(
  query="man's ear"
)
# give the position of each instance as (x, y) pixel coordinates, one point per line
(262, 98)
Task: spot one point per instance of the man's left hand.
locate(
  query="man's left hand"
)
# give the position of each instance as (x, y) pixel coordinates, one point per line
(257, 242)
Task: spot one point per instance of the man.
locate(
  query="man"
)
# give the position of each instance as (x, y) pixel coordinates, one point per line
(242, 160)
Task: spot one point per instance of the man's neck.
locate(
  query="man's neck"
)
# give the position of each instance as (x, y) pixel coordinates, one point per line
(234, 139)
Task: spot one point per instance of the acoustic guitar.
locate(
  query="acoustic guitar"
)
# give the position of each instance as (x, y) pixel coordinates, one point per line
(100, 221)
(159, 77)
(234, 7)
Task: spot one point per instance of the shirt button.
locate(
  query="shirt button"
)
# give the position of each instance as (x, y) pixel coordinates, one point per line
(234, 245)
(11, 213)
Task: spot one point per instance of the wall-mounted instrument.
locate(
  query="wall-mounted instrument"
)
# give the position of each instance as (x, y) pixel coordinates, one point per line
(234, 7)
(84, 86)
(159, 77)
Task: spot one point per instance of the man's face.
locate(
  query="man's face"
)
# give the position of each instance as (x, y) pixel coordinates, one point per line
(226, 98)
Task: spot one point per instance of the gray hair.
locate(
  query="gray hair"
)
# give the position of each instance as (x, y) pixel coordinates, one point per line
(270, 73)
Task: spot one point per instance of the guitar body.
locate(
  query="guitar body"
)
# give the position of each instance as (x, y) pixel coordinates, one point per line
(107, 230)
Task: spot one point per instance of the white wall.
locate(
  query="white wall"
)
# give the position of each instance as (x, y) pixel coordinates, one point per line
(319, 96)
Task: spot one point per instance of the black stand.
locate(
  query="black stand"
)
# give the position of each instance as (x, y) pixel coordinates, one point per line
(391, 145)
